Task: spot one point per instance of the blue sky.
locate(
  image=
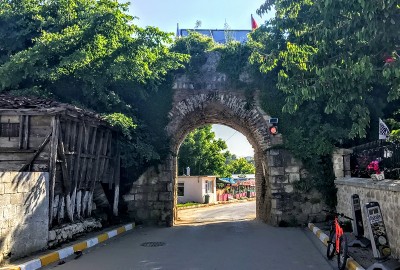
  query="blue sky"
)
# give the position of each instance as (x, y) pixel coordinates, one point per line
(165, 14)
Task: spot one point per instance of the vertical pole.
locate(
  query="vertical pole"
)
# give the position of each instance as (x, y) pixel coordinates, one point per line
(55, 122)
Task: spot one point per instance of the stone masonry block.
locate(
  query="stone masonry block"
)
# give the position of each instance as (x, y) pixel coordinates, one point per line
(289, 188)
(5, 177)
(23, 187)
(10, 188)
(293, 177)
(292, 169)
(274, 171)
(273, 152)
(2, 188)
(278, 179)
(152, 196)
(129, 197)
(139, 196)
(17, 199)
(165, 196)
(5, 199)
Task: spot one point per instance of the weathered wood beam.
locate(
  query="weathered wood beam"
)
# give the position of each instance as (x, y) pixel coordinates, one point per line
(116, 180)
(72, 166)
(96, 172)
(26, 132)
(89, 176)
(55, 122)
(21, 130)
(104, 153)
(65, 176)
(84, 163)
(34, 156)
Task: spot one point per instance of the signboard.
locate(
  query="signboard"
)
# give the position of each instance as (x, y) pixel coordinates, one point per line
(377, 231)
(358, 227)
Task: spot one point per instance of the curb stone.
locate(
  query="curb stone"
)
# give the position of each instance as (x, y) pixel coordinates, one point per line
(68, 251)
(351, 263)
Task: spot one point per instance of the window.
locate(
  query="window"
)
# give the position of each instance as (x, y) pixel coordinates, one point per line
(9, 129)
(181, 189)
(209, 187)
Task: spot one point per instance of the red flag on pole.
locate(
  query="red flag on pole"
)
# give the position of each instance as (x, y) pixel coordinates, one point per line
(254, 24)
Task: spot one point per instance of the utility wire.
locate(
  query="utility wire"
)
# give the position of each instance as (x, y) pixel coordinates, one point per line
(231, 135)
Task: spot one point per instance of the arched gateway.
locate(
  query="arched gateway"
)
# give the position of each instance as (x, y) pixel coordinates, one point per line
(209, 99)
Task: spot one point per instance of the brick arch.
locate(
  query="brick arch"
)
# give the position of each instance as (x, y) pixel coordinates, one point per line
(233, 111)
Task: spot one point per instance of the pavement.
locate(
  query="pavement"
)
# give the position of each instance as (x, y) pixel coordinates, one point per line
(231, 245)
(77, 249)
(245, 210)
(360, 258)
(218, 237)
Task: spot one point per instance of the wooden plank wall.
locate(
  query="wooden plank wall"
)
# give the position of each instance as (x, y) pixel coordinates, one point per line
(86, 154)
(15, 151)
(77, 154)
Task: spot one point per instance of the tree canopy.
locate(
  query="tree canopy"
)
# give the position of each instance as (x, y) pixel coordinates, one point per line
(240, 166)
(81, 51)
(331, 68)
(202, 152)
(339, 56)
(92, 54)
(206, 155)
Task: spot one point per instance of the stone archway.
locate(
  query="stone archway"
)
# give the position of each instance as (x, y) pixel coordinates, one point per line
(209, 98)
(230, 109)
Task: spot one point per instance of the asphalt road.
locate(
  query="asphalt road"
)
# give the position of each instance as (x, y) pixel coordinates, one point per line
(225, 212)
(237, 244)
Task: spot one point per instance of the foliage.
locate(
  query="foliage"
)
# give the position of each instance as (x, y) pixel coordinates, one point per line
(206, 155)
(202, 152)
(91, 54)
(330, 66)
(331, 53)
(196, 45)
(121, 121)
(234, 61)
(240, 166)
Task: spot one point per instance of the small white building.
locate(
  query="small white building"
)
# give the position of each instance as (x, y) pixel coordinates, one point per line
(195, 189)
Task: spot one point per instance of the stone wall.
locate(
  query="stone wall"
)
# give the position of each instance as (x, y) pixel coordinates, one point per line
(290, 206)
(68, 232)
(24, 204)
(150, 199)
(386, 193)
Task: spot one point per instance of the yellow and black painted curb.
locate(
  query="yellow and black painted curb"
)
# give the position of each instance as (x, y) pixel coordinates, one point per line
(351, 263)
(68, 251)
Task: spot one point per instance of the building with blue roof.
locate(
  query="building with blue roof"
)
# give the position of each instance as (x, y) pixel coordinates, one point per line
(219, 36)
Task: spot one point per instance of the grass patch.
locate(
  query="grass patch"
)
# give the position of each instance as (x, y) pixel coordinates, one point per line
(187, 204)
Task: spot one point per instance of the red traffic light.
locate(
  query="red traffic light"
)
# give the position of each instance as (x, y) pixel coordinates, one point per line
(273, 130)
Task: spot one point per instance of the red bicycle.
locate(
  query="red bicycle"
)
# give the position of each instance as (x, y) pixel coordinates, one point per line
(337, 243)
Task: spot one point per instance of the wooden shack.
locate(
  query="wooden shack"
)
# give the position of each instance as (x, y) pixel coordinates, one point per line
(76, 147)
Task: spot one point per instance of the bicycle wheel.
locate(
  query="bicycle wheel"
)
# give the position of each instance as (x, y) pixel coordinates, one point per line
(342, 256)
(330, 250)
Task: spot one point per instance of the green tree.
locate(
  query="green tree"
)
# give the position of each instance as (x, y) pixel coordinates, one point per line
(240, 166)
(332, 54)
(331, 66)
(89, 53)
(81, 51)
(203, 153)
